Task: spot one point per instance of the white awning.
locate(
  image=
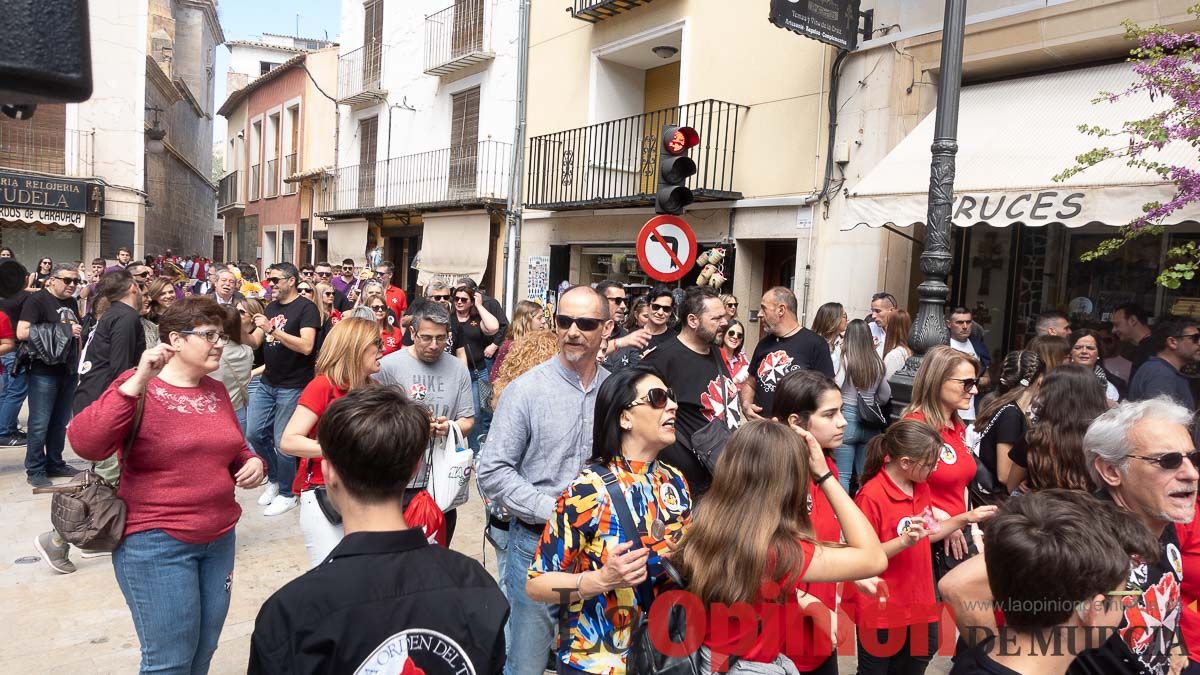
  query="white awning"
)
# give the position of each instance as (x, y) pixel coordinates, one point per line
(1013, 137)
(348, 239)
(453, 247)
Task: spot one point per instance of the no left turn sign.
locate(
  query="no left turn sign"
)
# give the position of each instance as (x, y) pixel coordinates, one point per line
(666, 248)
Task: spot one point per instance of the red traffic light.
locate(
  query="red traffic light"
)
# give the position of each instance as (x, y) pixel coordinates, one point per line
(677, 140)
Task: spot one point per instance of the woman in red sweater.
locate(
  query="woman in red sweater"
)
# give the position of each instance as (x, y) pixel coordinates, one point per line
(946, 383)
(175, 564)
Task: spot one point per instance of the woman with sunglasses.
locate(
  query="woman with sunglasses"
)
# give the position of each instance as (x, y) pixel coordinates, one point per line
(1086, 352)
(391, 337)
(586, 547)
(662, 314)
(473, 326)
(37, 279)
(175, 562)
(947, 382)
(731, 305)
(1069, 400)
(733, 342)
(330, 316)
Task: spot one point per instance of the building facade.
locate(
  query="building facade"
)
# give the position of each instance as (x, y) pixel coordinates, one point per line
(426, 93)
(1031, 71)
(131, 166)
(605, 77)
(278, 130)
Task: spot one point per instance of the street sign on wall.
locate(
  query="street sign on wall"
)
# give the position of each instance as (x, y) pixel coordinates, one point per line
(834, 22)
(666, 248)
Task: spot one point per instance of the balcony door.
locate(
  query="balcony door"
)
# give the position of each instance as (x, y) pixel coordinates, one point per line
(468, 28)
(372, 44)
(464, 144)
(368, 144)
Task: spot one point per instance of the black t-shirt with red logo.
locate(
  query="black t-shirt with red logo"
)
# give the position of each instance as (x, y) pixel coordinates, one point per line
(287, 369)
(775, 357)
(704, 391)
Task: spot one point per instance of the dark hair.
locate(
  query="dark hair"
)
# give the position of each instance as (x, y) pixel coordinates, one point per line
(99, 261)
(1045, 318)
(323, 263)
(348, 261)
(289, 270)
(784, 296)
(658, 292)
(631, 315)
(374, 437)
(906, 438)
(1051, 349)
(388, 264)
(114, 285)
(306, 267)
(1134, 310)
(1051, 550)
(188, 313)
(895, 334)
(617, 392)
(1170, 327)
(469, 283)
(884, 295)
(603, 286)
(232, 324)
(735, 323)
(126, 250)
(1017, 373)
(960, 310)
(472, 312)
(694, 299)
(1070, 398)
(1080, 333)
(799, 393)
(859, 359)
(10, 251)
(827, 319)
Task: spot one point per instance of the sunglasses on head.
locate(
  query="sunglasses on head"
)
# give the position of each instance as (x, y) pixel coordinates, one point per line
(968, 383)
(586, 324)
(656, 398)
(1171, 460)
(665, 309)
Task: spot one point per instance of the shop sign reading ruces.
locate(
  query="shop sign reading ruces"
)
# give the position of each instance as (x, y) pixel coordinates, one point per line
(1025, 207)
(49, 200)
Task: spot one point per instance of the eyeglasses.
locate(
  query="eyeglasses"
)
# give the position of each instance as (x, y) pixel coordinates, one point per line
(1194, 337)
(378, 308)
(461, 300)
(70, 281)
(619, 301)
(665, 309)
(212, 337)
(429, 339)
(307, 291)
(440, 298)
(275, 280)
(1170, 460)
(968, 383)
(143, 275)
(657, 398)
(731, 305)
(328, 294)
(586, 324)
(325, 275)
(735, 336)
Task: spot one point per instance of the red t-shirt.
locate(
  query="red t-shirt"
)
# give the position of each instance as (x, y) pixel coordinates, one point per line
(955, 468)
(396, 300)
(909, 574)
(393, 339)
(810, 650)
(769, 636)
(1189, 620)
(334, 317)
(6, 331)
(316, 397)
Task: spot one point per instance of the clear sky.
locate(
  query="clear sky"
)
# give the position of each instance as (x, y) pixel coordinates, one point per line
(249, 19)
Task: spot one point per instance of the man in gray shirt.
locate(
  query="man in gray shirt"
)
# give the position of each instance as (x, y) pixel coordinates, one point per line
(436, 380)
(541, 436)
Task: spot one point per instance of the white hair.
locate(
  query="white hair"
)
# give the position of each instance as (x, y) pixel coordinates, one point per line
(360, 312)
(1108, 439)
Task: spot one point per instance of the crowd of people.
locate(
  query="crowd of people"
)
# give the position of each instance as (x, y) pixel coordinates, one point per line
(630, 452)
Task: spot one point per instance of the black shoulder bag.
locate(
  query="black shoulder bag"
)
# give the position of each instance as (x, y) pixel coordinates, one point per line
(709, 440)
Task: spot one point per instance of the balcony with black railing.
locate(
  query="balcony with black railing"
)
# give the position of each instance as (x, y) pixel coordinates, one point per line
(456, 37)
(615, 164)
(228, 192)
(599, 10)
(360, 76)
(460, 177)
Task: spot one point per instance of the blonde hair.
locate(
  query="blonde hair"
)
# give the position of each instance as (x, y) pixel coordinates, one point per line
(937, 367)
(341, 353)
(525, 353)
(522, 321)
(319, 300)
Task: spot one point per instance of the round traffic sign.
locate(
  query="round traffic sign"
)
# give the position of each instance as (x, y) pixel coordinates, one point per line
(666, 248)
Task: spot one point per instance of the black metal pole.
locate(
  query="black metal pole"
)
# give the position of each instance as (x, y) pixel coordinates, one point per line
(929, 328)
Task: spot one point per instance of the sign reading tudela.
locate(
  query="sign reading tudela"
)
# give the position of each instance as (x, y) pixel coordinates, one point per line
(834, 22)
(49, 200)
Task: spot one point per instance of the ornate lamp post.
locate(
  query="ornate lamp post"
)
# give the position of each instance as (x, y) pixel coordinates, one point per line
(929, 328)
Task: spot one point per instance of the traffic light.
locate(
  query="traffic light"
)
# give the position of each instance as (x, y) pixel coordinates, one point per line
(674, 168)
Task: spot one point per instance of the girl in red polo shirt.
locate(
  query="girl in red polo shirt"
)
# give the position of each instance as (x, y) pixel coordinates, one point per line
(750, 546)
(897, 500)
(946, 383)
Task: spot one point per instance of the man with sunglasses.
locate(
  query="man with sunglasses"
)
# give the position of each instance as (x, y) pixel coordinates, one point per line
(1160, 375)
(345, 279)
(434, 379)
(541, 437)
(53, 312)
(618, 306)
(1142, 456)
(289, 327)
(323, 272)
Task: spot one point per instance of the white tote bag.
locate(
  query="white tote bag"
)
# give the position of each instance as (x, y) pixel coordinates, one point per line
(450, 466)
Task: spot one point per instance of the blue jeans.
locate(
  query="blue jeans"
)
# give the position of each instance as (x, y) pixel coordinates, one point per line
(16, 387)
(483, 414)
(851, 455)
(268, 412)
(529, 624)
(49, 411)
(178, 594)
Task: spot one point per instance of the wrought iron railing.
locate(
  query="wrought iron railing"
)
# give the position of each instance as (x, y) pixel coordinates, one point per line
(616, 163)
(459, 175)
(67, 152)
(255, 181)
(456, 37)
(289, 169)
(598, 10)
(271, 188)
(227, 191)
(360, 73)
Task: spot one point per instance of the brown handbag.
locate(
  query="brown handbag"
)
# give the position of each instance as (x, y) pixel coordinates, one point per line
(87, 511)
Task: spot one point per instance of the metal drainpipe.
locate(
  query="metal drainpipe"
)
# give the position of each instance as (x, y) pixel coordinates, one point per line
(512, 244)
